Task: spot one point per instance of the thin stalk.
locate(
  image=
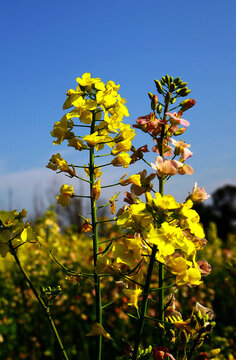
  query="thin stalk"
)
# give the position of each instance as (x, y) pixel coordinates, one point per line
(98, 298)
(144, 303)
(107, 186)
(45, 308)
(161, 303)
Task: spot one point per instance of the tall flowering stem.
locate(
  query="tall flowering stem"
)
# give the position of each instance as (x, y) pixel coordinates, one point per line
(44, 307)
(150, 270)
(161, 266)
(95, 244)
(101, 110)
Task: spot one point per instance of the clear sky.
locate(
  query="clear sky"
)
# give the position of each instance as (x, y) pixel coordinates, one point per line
(45, 45)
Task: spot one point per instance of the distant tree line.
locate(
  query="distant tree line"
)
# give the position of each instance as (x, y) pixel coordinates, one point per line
(222, 211)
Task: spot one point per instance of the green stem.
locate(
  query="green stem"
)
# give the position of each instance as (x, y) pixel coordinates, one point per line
(98, 298)
(107, 186)
(45, 308)
(161, 303)
(144, 303)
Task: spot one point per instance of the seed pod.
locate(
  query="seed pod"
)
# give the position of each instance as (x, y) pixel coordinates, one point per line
(161, 327)
(183, 336)
(158, 86)
(199, 344)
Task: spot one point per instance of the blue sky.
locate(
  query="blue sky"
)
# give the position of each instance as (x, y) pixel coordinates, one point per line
(45, 45)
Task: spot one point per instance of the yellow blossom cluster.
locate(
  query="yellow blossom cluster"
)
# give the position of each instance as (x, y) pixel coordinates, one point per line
(173, 228)
(90, 101)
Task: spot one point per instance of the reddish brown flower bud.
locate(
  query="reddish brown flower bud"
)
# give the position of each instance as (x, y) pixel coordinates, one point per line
(154, 102)
(187, 104)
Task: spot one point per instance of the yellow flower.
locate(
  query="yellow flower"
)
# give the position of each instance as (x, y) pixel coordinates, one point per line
(184, 271)
(113, 121)
(166, 202)
(98, 329)
(112, 203)
(61, 130)
(28, 234)
(107, 97)
(133, 179)
(72, 95)
(86, 226)
(77, 144)
(123, 139)
(66, 193)
(128, 251)
(133, 296)
(163, 240)
(87, 82)
(56, 162)
(121, 160)
(98, 140)
(195, 229)
(137, 217)
(105, 266)
(96, 190)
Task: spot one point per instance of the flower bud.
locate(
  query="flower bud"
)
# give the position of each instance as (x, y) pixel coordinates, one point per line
(167, 79)
(150, 95)
(158, 86)
(177, 80)
(198, 195)
(154, 102)
(182, 84)
(163, 80)
(167, 98)
(188, 91)
(177, 151)
(181, 91)
(187, 104)
(180, 131)
(159, 108)
(173, 100)
(172, 87)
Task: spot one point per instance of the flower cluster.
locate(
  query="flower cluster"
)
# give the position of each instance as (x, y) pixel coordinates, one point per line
(98, 107)
(174, 228)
